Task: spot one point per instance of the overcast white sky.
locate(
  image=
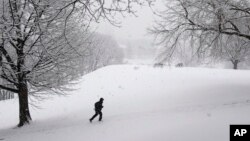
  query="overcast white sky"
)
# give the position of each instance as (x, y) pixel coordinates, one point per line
(131, 27)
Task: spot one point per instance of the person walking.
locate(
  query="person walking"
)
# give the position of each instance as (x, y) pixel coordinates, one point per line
(98, 110)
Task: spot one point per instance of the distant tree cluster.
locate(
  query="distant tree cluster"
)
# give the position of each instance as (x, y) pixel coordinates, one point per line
(5, 95)
(209, 28)
(104, 51)
(99, 51)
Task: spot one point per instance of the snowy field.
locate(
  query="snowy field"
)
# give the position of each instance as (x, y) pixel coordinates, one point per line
(141, 103)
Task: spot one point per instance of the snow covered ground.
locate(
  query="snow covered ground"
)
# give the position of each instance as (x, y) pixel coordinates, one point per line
(141, 103)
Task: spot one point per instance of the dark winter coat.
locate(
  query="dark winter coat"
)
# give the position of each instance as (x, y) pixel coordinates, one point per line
(98, 106)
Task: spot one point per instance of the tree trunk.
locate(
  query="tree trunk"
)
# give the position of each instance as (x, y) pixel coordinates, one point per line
(235, 64)
(24, 114)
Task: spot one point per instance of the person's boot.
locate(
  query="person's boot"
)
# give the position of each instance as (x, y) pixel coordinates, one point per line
(90, 120)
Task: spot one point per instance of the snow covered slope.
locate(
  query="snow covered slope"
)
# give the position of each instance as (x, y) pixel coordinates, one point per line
(141, 103)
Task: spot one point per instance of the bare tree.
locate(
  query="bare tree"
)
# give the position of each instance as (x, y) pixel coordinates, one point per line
(35, 54)
(201, 23)
(235, 49)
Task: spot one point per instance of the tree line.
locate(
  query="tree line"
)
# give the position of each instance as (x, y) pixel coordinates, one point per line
(5, 95)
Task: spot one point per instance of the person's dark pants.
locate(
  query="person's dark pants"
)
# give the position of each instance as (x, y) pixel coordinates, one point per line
(96, 114)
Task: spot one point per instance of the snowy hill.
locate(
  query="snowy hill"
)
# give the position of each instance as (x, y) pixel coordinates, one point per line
(141, 103)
